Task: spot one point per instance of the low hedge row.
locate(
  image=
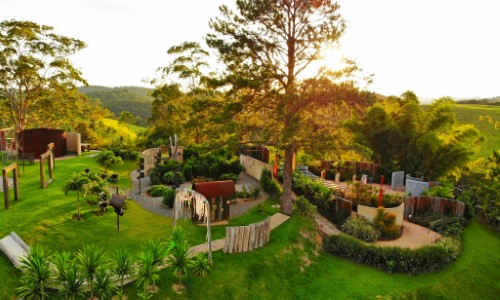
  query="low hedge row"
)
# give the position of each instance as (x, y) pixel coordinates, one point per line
(395, 259)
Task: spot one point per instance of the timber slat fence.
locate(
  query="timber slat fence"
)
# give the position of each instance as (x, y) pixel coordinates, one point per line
(247, 238)
(444, 206)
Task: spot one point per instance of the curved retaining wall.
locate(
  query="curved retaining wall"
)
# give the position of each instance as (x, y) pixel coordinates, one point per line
(247, 238)
(254, 167)
(371, 212)
(149, 156)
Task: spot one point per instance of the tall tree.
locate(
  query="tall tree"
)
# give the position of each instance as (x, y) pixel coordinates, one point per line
(266, 45)
(33, 60)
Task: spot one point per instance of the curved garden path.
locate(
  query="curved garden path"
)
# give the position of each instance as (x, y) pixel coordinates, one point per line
(414, 236)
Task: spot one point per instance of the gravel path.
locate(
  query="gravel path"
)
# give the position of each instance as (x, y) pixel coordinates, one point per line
(155, 205)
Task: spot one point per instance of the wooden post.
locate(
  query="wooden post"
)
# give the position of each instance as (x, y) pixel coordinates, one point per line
(6, 189)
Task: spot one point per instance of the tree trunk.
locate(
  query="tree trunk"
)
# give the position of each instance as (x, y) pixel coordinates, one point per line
(286, 201)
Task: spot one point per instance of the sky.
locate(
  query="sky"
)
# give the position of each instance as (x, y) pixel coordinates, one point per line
(432, 47)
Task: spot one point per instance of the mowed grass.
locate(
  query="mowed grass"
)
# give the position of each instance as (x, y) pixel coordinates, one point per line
(123, 128)
(471, 114)
(291, 266)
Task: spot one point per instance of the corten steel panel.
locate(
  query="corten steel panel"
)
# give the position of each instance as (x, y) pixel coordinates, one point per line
(215, 188)
(36, 141)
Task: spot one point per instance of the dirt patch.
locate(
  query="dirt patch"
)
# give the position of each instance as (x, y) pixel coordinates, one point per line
(179, 288)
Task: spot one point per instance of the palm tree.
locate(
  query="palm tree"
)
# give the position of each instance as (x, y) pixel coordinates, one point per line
(76, 183)
(37, 273)
(72, 283)
(144, 295)
(178, 261)
(123, 265)
(103, 287)
(148, 271)
(91, 260)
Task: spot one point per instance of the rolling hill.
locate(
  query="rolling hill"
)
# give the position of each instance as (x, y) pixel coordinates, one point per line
(136, 100)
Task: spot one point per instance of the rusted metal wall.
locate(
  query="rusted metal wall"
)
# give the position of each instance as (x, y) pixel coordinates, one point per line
(36, 141)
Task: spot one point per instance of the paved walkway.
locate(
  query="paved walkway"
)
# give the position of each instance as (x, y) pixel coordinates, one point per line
(414, 236)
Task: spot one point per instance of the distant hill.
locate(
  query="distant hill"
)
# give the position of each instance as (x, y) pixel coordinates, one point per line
(482, 101)
(136, 100)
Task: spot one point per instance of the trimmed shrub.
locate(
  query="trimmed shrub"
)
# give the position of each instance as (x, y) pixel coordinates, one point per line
(425, 219)
(360, 228)
(452, 226)
(229, 176)
(126, 154)
(169, 197)
(429, 258)
(187, 171)
(158, 190)
(173, 178)
(108, 158)
(304, 207)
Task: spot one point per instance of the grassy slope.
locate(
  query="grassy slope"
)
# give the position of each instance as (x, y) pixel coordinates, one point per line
(126, 128)
(471, 114)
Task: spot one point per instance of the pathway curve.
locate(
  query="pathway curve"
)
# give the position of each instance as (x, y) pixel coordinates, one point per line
(414, 236)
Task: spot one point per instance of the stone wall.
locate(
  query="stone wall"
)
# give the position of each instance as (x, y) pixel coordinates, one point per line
(254, 167)
(371, 212)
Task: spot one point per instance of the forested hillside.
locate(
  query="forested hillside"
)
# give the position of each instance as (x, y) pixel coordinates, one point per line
(117, 99)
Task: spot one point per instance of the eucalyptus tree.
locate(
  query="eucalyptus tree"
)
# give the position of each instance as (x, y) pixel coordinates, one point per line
(266, 45)
(33, 60)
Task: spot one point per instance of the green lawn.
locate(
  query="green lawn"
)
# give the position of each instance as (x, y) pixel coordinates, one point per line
(470, 114)
(291, 266)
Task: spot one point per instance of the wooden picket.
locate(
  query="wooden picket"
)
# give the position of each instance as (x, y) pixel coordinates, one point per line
(444, 206)
(247, 238)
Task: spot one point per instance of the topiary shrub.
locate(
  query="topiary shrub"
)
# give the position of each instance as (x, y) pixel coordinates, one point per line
(158, 190)
(304, 207)
(173, 178)
(360, 228)
(169, 197)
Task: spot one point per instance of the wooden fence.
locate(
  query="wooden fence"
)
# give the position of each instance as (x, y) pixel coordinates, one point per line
(418, 205)
(247, 238)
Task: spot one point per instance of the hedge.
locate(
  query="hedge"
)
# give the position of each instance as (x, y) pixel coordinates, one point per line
(428, 258)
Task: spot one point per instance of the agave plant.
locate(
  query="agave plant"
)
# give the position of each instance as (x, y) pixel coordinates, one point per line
(37, 275)
(179, 260)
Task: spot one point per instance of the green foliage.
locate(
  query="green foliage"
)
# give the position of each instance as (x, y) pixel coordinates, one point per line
(158, 251)
(122, 265)
(445, 190)
(158, 190)
(172, 167)
(229, 176)
(37, 273)
(405, 260)
(103, 285)
(179, 260)
(169, 198)
(173, 178)
(108, 158)
(200, 264)
(361, 229)
(425, 219)
(92, 260)
(428, 140)
(452, 226)
(304, 207)
(73, 282)
(268, 184)
(76, 182)
(385, 222)
(148, 272)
